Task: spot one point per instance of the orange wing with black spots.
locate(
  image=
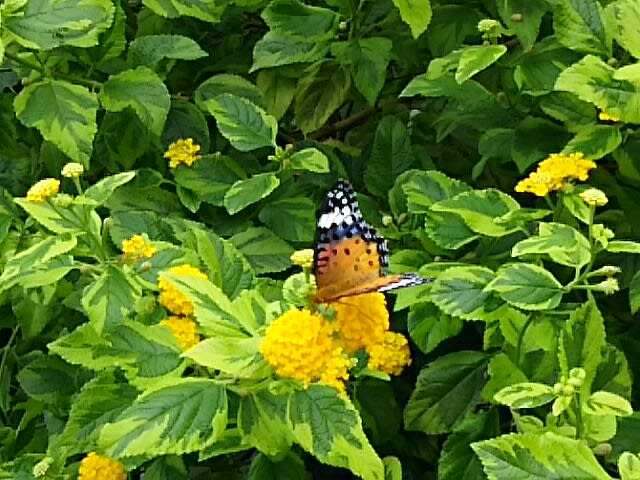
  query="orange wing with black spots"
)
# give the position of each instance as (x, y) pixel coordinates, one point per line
(349, 256)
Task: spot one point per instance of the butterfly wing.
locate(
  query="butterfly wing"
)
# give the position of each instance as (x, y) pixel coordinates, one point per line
(350, 256)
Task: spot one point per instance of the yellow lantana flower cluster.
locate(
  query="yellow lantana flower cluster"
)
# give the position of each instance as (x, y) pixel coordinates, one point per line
(97, 467)
(42, 190)
(310, 348)
(607, 117)
(137, 247)
(171, 298)
(72, 170)
(183, 151)
(183, 329)
(390, 356)
(363, 323)
(181, 325)
(302, 345)
(555, 172)
(594, 197)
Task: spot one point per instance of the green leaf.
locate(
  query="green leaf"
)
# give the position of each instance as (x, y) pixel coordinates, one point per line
(265, 468)
(582, 340)
(227, 267)
(577, 207)
(239, 357)
(100, 401)
(85, 347)
(448, 230)
(528, 26)
(143, 91)
(527, 286)
(546, 455)
(109, 298)
(415, 13)
(321, 91)
(423, 189)
(428, 327)
(503, 372)
(293, 219)
(525, 395)
(627, 14)
(277, 90)
(64, 113)
(328, 426)
(47, 24)
(310, 159)
(151, 352)
(474, 59)
(262, 419)
(634, 293)
(457, 460)
(149, 50)
(100, 191)
(459, 291)
(595, 141)
(184, 417)
(23, 264)
(227, 83)
(210, 177)
(247, 192)
(629, 466)
(276, 49)
(578, 25)
(447, 392)
(368, 59)
(214, 312)
(243, 123)
(607, 403)
(265, 251)
(478, 208)
(206, 10)
(297, 20)
(592, 80)
(620, 246)
(48, 379)
(391, 154)
(564, 244)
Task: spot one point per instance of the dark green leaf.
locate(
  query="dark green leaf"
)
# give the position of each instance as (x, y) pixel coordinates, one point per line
(446, 393)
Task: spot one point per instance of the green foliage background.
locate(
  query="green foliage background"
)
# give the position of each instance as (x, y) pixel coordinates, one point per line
(524, 346)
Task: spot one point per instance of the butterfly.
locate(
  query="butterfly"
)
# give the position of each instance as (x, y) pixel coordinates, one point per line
(349, 255)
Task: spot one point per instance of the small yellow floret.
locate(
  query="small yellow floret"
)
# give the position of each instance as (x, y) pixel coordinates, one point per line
(183, 329)
(171, 298)
(362, 320)
(301, 345)
(606, 117)
(303, 258)
(45, 188)
(183, 151)
(97, 467)
(137, 247)
(390, 356)
(554, 172)
(594, 197)
(72, 170)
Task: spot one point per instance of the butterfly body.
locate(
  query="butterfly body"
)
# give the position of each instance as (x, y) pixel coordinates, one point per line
(349, 256)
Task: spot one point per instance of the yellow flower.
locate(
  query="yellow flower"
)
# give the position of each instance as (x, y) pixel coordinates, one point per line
(137, 247)
(182, 151)
(301, 345)
(604, 116)
(554, 172)
(43, 189)
(183, 329)
(487, 25)
(362, 320)
(594, 197)
(390, 356)
(171, 298)
(303, 258)
(97, 467)
(72, 170)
